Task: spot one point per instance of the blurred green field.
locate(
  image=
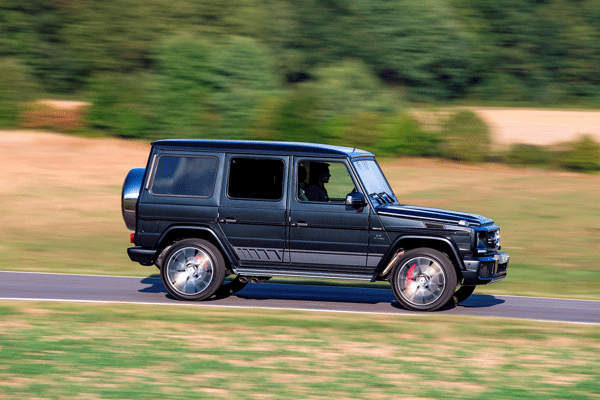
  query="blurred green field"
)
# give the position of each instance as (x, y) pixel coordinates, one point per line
(93, 351)
(60, 211)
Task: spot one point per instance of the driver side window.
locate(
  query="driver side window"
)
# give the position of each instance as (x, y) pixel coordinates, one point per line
(323, 181)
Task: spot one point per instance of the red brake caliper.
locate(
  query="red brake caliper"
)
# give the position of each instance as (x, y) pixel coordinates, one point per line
(409, 276)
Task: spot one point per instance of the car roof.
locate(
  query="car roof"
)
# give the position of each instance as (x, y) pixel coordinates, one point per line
(262, 147)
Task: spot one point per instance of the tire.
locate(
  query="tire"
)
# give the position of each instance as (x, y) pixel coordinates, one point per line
(193, 269)
(227, 289)
(463, 293)
(424, 279)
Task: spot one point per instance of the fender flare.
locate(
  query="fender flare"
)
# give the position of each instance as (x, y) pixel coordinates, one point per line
(455, 256)
(219, 242)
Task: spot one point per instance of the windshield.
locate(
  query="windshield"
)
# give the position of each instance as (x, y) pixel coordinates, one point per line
(374, 181)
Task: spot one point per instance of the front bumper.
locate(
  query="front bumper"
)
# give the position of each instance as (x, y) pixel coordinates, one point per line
(485, 270)
(142, 255)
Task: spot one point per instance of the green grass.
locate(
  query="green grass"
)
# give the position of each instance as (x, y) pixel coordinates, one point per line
(50, 350)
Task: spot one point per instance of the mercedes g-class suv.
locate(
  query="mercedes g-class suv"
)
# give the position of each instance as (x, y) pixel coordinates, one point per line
(203, 210)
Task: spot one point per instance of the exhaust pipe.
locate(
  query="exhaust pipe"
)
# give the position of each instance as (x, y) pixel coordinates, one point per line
(243, 279)
(254, 280)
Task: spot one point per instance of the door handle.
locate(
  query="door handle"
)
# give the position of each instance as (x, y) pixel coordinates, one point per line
(301, 224)
(228, 220)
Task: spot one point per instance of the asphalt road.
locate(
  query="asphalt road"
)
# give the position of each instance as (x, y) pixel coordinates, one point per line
(91, 288)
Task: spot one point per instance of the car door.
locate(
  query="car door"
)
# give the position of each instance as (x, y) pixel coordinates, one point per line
(327, 237)
(253, 209)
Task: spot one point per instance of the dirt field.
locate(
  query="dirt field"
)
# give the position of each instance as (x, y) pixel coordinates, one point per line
(539, 127)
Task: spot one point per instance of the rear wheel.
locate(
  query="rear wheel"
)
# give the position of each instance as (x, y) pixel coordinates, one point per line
(424, 279)
(231, 287)
(194, 269)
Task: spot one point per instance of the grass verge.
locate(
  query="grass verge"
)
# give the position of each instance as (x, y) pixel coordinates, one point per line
(78, 351)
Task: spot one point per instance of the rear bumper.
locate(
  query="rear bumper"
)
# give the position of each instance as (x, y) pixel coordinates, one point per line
(142, 255)
(485, 270)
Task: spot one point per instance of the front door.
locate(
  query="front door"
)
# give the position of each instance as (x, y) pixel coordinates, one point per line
(326, 236)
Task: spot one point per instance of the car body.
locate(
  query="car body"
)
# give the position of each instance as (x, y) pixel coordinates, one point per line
(205, 209)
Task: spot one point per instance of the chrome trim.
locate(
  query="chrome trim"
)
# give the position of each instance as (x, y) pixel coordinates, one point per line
(417, 217)
(300, 274)
(392, 263)
(152, 166)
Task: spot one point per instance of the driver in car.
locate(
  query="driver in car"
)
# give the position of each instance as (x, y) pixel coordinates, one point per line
(319, 176)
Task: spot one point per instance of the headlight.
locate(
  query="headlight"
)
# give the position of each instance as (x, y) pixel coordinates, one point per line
(488, 240)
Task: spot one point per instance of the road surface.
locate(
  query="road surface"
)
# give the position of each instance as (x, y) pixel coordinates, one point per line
(150, 290)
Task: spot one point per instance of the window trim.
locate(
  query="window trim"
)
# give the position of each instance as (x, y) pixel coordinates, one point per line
(156, 160)
(349, 170)
(250, 157)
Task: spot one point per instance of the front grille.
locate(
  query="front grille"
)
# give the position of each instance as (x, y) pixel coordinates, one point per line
(486, 269)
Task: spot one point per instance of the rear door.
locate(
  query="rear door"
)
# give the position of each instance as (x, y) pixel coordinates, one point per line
(252, 213)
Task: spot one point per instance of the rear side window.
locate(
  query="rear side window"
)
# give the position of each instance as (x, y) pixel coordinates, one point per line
(188, 176)
(258, 179)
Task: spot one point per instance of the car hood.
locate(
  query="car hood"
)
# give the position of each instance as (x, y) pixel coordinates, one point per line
(433, 214)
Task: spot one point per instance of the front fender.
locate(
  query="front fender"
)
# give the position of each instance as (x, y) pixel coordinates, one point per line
(414, 241)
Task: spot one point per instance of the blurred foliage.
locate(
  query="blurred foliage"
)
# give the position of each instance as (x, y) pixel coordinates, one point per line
(17, 85)
(580, 155)
(465, 137)
(402, 135)
(125, 105)
(522, 50)
(349, 88)
(422, 45)
(332, 71)
(528, 155)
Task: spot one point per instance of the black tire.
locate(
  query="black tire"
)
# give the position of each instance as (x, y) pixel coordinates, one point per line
(424, 279)
(193, 269)
(231, 287)
(463, 293)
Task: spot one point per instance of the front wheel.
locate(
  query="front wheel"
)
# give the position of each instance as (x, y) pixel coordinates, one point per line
(424, 279)
(463, 293)
(193, 270)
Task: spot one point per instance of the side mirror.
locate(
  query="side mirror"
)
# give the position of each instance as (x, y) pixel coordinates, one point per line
(356, 200)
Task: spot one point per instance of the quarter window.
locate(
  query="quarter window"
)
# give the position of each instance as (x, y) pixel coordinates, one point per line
(185, 176)
(257, 179)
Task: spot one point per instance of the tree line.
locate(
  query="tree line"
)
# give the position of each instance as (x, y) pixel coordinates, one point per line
(323, 70)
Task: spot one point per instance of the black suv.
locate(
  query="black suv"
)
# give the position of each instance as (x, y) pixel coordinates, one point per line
(206, 209)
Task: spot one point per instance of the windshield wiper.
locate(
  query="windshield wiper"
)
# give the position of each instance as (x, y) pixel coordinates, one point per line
(384, 195)
(378, 195)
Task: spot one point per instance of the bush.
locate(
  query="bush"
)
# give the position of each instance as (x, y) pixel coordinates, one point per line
(363, 131)
(125, 105)
(17, 85)
(465, 137)
(402, 136)
(528, 154)
(187, 80)
(243, 78)
(297, 120)
(581, 155)
(348, 89)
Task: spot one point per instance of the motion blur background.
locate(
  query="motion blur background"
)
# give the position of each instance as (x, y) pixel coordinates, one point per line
(430, 86)
(329, 71)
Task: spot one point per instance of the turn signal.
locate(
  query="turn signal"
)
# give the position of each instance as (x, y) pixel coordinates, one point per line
(131, 237)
